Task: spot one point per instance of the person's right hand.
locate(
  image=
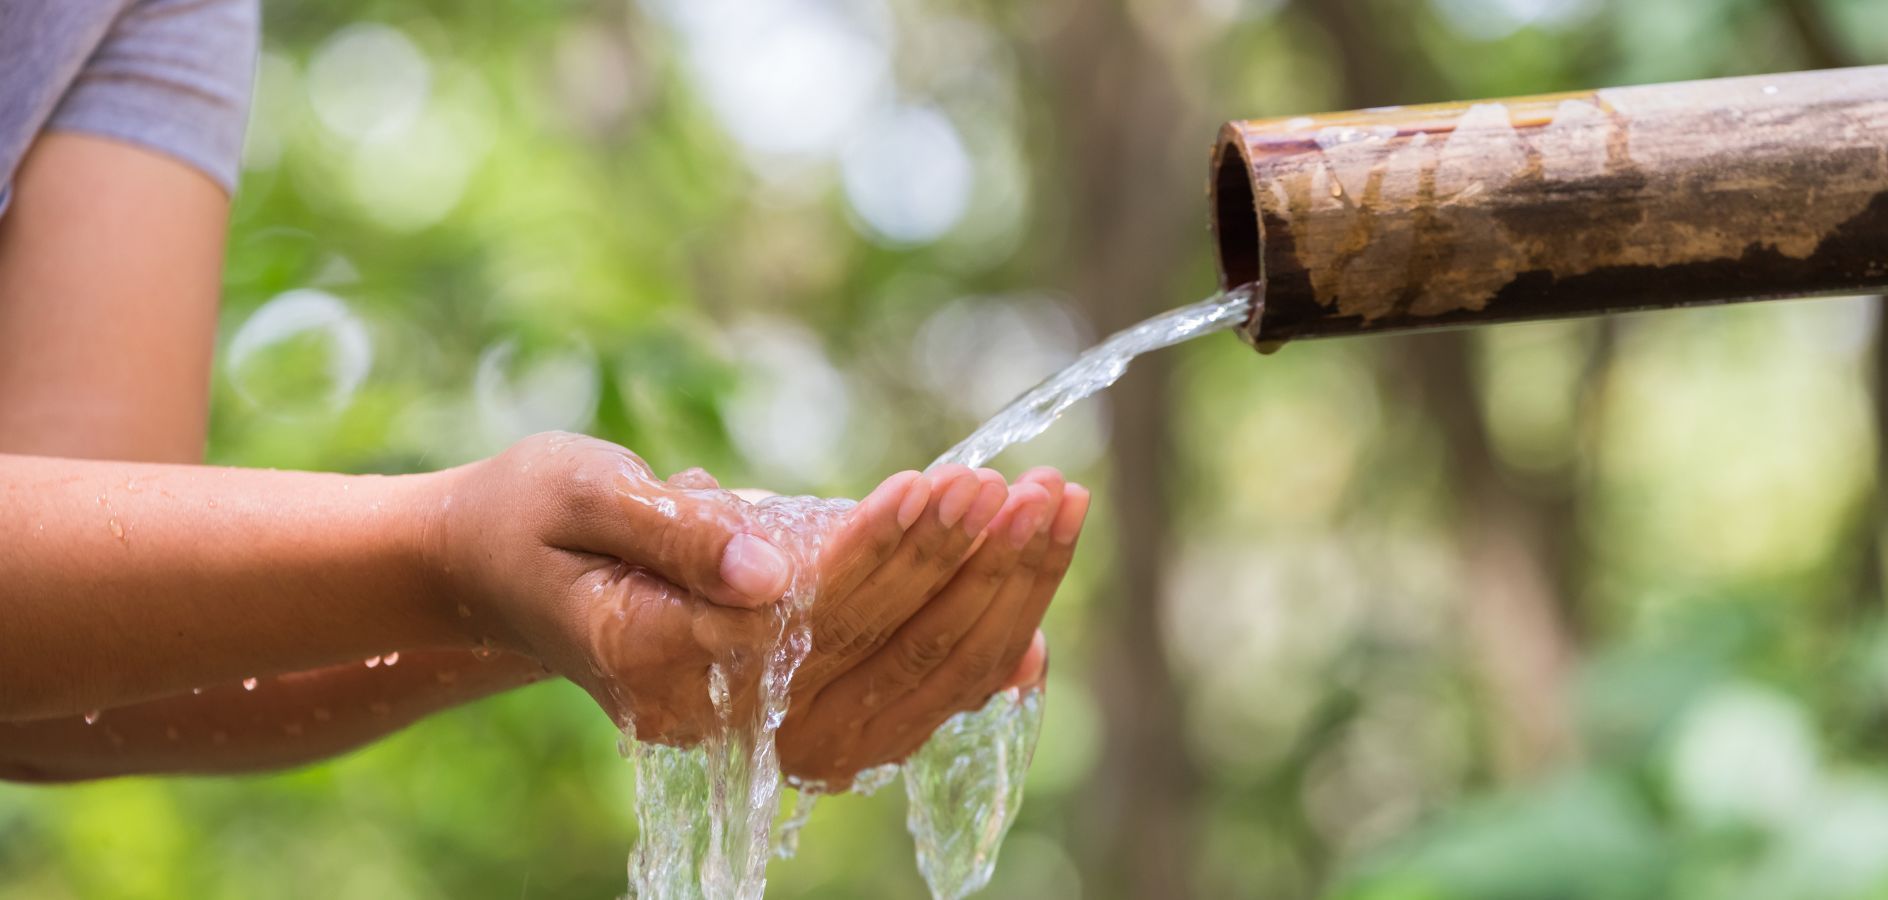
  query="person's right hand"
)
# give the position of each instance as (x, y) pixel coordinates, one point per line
(568, 549)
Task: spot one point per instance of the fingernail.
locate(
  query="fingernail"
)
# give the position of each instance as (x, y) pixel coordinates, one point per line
(957, 501)
(917, 494)
(1024, 526)
(1068, 526)
(989, 502)
(755, 568)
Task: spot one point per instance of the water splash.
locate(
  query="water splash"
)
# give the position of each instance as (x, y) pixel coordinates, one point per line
(734, 774)
(964, 788)
(706, 814)
(807, 793)
(787, 841)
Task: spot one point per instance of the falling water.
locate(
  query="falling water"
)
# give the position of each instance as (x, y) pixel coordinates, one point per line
(705, 813)
(963, 788)
(1100, 366)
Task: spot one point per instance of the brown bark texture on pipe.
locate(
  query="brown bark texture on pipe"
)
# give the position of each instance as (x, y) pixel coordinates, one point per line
(1557, 205)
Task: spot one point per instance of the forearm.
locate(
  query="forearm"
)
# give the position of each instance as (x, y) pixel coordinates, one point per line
(122, 582)
(284, 721)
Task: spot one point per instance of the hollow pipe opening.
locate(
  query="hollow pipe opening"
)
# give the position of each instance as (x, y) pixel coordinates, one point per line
(1237, 231)
(1235, 219)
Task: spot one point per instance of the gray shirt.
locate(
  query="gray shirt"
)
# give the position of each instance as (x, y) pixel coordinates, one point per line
(171, 75)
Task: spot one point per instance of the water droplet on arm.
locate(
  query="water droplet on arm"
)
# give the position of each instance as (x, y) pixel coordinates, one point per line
(373, 661)
(249, 684)
(91, 718)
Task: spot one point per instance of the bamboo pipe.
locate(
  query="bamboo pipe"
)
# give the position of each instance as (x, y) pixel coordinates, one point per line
(1557, 205)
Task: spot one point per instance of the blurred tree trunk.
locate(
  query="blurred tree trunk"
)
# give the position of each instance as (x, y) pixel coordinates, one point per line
(1133, 194)
(1517, 551)
(1822, 48)
(1519, 557)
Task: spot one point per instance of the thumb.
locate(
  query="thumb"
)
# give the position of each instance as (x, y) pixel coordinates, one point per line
(701, 540)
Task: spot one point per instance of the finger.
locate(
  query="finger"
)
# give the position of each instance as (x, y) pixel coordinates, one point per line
(1032, 671)
(1033, 667)
(924, 641)
(978, 662)
(851, 623)
(872, 531)
(988, 477)
(652, 647)
(701, 539)
(1047, 476)
(1064, 532)
(695, 478)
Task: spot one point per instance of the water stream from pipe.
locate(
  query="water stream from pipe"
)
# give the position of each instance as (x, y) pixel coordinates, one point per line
(706, 814)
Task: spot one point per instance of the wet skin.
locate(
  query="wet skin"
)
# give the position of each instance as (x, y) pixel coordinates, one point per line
(532, 552)
(934, 581)
(129, 585)
(966, 625)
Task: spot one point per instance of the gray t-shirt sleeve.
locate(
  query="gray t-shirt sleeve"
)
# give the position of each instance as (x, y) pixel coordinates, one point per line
(171, 75)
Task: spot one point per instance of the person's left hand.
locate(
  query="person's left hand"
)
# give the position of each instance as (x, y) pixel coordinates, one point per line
(973, 633)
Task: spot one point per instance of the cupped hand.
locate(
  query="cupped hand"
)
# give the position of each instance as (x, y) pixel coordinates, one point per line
(878, 567)
(971, 629)
(535, 551)
(570, 550)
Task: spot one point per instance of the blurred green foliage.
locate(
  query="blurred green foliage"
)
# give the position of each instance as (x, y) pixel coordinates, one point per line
(670, 224)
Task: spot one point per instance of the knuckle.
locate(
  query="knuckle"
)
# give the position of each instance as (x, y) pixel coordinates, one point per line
(671, 544)
(951, 551)
(923, 552)
(844, 631)
(982, 663)
(918, 656)
(885, 543)
(579, 479)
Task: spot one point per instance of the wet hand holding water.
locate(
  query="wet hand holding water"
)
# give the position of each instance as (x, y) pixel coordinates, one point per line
(971, 631)
(923, 597)
(569, 549)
